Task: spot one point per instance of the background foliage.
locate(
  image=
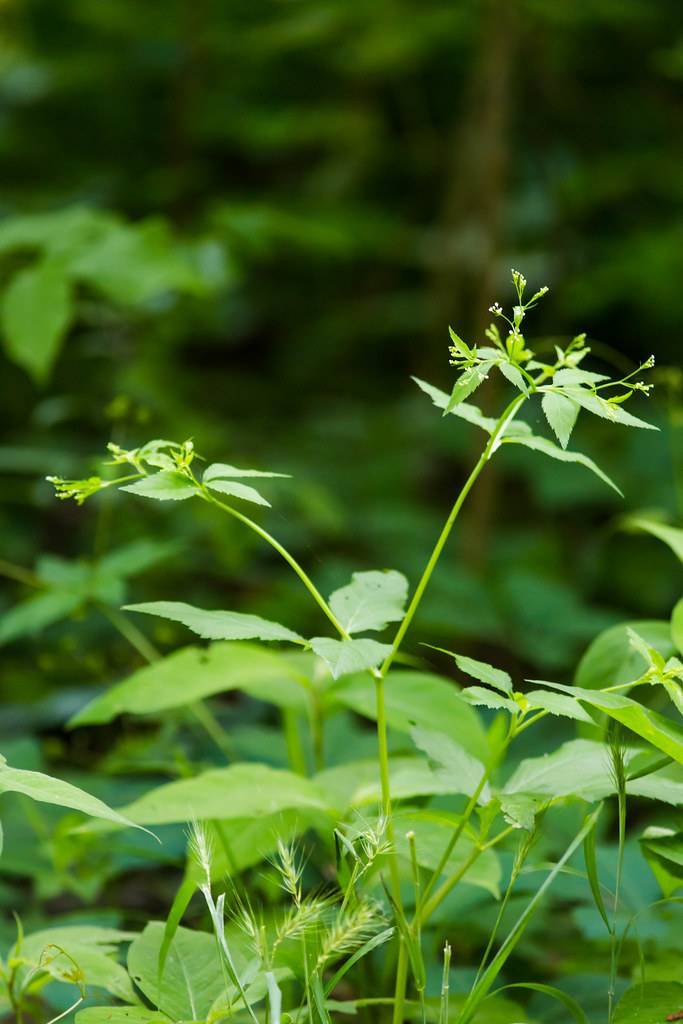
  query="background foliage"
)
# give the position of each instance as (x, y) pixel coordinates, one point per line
(250, 224)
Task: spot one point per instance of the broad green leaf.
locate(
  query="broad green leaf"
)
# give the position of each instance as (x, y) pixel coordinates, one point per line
(557, 994)
(217, 625)
(467, 383)
(167, 485)
(417, 699)
(120, 1015)
(485, 673)
(677, 626)
(192, 978)
(663, 850)
(546, 447)
(344, 657)
(193, 673)
(433, 831)
(579, 768)
(651, 1003)
(91, 948)
(36, 312)
(48, 790)
(665, 785)
(671, 535)
(134, 558)
(520, 809)
(611, 660)
(605, 410)
(661, 732)
(371, 601)
(357, 783)
(456, 761)
(37, 612)
(239, 791)
(238, 490)
(561, 413)
(223, 471)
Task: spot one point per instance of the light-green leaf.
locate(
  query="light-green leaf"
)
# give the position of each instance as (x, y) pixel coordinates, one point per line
(671, 535)
(344, 657)
(167, 485)
(661, 732)
(48, 790)
(239, 791)
(192, 978)
(561, 413)
(578, 768)
(479, 696)
(605, 410)
(467, 770)
(193, 673)
(36, 312)
(217, 625)
(611, 660)
(223, 471)
(467, 383)
(484, 672)
(371, 601)
(650, 1003)
(546, 447)
(238, 490)
(417, 699)
(470, 413)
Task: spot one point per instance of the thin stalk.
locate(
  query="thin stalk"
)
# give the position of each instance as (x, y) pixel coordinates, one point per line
(295, 748)
(281, 550)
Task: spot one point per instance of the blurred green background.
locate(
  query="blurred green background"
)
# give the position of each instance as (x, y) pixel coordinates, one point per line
(258, 220)
(250, 223)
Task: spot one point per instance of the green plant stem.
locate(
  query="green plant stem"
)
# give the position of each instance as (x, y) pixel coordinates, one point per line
(281, 550)
(295, 749)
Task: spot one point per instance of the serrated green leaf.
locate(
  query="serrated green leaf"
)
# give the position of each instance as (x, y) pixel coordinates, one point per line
(661, 732)
(470, 413)
(36, 312)
(561, 413)
(478, 696)
(542, 444)
(370, 601)
(237, 490)
(605, 410)
(484, 672)
(574, 375)
(454, 759)
(514, 375)
(167, 485)
(344, 657)
(558, 704)
(223, 471)
(467, 383)
(217, 625)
